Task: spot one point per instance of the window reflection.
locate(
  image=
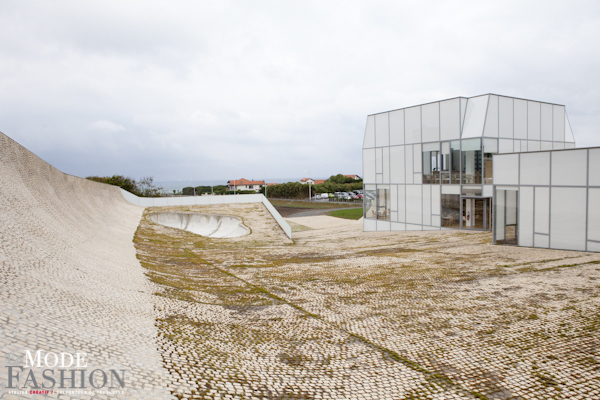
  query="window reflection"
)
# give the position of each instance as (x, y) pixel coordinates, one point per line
(455, 162)
(369, 202)
(383, 204)
(471, 161)
(450, 210)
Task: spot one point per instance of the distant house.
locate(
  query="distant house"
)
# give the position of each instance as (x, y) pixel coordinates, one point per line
(312, 181)
(355, 177)
(272, 184)
(245, 184)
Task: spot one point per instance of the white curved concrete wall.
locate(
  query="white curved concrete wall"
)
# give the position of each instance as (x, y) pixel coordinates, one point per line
(70, 280)
(214, 226)
(207, 200)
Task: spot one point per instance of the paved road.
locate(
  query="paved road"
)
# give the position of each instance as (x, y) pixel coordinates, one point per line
(307, 213)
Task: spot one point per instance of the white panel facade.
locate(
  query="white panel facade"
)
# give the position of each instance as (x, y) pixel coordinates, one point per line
(546, 146)
(450, 119)
(396, 127)
(463, 111)
(414, 213)
(426, 204)
(417, 158)
(370, 132)
(435, 200)
(520, 119)
(535, 169)
(506, 169)
(394, 200)
(382, 130)
(511, 206)
(369, 225)
(546, 121)
(491, 120)
(568, 132)
(379, 160)
(401, 203)
(559, 123)
(546, 190)
(569, 168)
(594, 167)
(383, 226)
(533, 145)
(430, 120)
(369, 165)
(505, 146)
(408, 156)
(568, 218)
(475, 117)
(594, 214)
(386, 164)
(533, 120)
(412, 125)
(541, 215)
(397, 164)
(506, 117)
(397, 226)
(526, 216)
(499, 212)
(542, 241)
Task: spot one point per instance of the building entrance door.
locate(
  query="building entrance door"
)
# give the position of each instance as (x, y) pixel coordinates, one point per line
(476, 213)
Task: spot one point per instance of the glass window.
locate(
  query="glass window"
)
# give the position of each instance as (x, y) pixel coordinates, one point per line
(445, 163)
(471, 161)
(450, 211)
(455, 162)
(383, 203)
(490, 146)
(487, 168)
(431, 163)
(369, 202)
(431, 166)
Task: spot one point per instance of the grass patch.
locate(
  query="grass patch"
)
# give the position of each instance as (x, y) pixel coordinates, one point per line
(309, 205)
(351, 213)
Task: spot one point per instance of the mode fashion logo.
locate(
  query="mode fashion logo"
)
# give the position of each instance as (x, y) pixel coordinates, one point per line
(48, 372)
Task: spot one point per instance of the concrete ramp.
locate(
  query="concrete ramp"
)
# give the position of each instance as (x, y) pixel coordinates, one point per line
(213, 226)
(69, 277)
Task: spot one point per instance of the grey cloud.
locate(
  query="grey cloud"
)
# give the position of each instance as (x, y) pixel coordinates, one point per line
(206, 90)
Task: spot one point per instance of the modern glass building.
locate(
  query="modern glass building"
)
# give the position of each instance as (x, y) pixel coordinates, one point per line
(548, 199)
(430, 166)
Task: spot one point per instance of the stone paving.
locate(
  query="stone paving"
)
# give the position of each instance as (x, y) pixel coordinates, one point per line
(336, 313)
(69, 277)
(346, 314)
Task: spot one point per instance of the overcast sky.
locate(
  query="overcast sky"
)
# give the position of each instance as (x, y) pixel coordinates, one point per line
(185, 90)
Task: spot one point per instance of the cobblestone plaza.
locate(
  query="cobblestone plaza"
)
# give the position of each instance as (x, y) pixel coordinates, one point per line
(335, 313)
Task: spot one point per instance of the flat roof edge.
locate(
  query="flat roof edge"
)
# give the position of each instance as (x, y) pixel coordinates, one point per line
(467, 98)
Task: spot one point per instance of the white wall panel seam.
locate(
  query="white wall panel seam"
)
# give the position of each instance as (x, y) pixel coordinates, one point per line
(485, 118)
(550, 193)
(587, 195)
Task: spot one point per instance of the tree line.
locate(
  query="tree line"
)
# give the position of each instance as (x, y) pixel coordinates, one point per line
(296, 190)
(142, 188)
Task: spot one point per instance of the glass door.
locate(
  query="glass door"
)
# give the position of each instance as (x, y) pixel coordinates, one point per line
(476, 213)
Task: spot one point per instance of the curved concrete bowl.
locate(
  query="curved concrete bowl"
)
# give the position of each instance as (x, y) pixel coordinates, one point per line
(213, 226)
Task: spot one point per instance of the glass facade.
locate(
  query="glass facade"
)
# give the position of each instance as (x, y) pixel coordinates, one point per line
(431, 166)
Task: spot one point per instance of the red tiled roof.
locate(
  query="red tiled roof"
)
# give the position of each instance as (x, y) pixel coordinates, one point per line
(305, 179)
(271, 184)
(319, 181)
(352, 176)
(244, 182)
